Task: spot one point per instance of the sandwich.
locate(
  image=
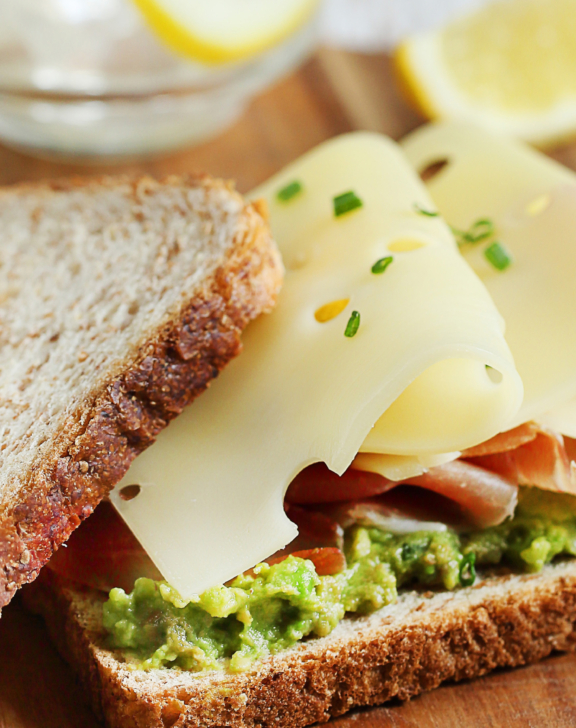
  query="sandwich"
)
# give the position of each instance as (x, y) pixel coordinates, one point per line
(378, 494)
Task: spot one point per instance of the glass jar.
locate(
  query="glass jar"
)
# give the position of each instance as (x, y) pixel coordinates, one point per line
(87, 78)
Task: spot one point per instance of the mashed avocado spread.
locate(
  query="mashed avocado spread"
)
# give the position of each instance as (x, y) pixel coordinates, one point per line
(232, 626)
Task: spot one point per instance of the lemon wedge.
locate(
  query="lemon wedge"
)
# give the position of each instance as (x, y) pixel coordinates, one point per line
(222, 31)
(510, 66)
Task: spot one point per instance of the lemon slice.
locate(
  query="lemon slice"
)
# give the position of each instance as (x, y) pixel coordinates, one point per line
(221, 31)
(510, 66)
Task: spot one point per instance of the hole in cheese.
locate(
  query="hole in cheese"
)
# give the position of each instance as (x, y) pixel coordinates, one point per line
(493, 374)
(538, 205)
(405, 245)
(330, 310)
(297, 261)
(433, 169)
(128, 492)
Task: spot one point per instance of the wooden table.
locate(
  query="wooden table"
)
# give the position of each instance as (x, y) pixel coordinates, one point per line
(332, 94)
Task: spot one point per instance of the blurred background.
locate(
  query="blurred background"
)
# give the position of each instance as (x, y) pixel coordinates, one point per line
(110, 79)
(131, 82)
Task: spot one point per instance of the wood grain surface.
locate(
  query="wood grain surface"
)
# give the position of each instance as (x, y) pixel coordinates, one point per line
(333, 93)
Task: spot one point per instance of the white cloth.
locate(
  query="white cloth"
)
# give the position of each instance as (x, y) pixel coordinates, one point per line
(373, 25)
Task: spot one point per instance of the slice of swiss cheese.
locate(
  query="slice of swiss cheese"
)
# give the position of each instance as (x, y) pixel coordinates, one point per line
(561, 418)
(211, 502)
(532, 202)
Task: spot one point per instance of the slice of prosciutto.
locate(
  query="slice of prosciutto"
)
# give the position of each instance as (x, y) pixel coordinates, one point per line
(504, 441)
(315, 529)
(318, 484)
(487, 498)
(103, 553)
(376, 512)
(546, 459)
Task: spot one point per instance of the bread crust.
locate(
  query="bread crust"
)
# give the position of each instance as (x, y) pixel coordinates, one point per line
(140, 397)
(398, 652)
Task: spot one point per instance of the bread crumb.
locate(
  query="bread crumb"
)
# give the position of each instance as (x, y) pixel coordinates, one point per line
(83, 466)
(82, 356)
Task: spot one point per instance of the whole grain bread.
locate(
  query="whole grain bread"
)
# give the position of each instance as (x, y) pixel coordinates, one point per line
(399, 651)
(120, 300)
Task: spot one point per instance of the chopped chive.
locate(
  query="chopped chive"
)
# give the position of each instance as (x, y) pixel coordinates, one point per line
(497, 255)
(353, 325)
(346, 202)
(422, 211)
(381, 265)
(480, 230)
(290, 191)
(468, 570)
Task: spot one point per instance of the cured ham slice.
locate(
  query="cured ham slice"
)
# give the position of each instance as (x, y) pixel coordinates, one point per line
(380, 514)
(504, 441)
(570, 446)
(405, 509)
(318, 484)
(103, 553)
(487, 498)
(545, 461)
(315, 528)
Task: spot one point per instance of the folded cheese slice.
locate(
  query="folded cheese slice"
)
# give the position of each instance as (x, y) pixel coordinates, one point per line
(212, 486)
(532, 202)
(561, 418)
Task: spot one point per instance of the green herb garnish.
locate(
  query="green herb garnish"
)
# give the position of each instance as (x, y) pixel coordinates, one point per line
(353, 325)
(346, 202)
(480, 230)
(468, 570)
(477, 232)
(290, 191)
(483, 230)
(497, 255)
(422, 211)
(381, 265)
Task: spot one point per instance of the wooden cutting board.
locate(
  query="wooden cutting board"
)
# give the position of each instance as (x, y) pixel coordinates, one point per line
(333, 93)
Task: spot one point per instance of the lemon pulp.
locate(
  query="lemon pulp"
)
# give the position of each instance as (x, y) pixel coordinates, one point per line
(516, 55)
(510, 66)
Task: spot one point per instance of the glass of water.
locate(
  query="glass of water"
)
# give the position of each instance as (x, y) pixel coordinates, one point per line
(87, 78)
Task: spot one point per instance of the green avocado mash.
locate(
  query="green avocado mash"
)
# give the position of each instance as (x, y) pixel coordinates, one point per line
(230, 627)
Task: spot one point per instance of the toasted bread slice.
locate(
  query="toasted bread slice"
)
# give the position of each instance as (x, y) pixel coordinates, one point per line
(399, 651)
(119, 301)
